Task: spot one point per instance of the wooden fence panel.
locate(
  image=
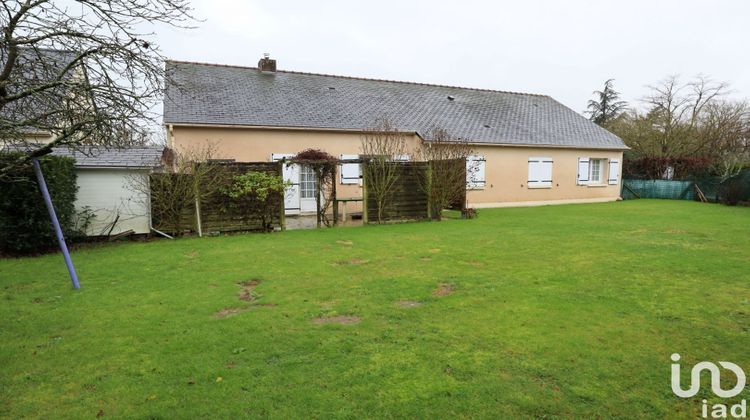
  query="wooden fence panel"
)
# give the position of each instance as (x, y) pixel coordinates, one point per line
(407, 201)
(221, 213)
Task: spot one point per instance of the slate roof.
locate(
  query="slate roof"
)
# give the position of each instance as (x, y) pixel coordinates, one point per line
(131, 158)
(35, 67)
(199, 93)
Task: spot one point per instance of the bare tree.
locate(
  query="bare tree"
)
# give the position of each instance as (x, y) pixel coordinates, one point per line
(675, 111)
(380, 146)
(446, 181)
(689, 121)
(725, 127)
(191, 176)
(84, 72)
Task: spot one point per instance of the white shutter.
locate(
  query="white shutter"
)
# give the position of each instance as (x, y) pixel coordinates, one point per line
(350, 172)
(540, 172)
(401, 158)
(583, 171)
(614, 171)
(291, 174)
(475, 170)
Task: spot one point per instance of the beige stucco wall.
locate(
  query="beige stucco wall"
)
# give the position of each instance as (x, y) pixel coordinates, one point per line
(257, 145)
(506, 166)
(507, 171)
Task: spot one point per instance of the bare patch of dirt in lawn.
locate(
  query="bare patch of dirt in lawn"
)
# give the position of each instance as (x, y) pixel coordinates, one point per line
(355, 261)
(435, 250)
(340, 319)
(247, 292)
(345, 242)
(408, 304)
(444, 289)
(191, 254)
(425, 258)
(228, 312)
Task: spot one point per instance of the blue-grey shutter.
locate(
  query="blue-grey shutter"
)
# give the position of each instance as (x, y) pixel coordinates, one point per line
(614, 172)
(350, 172)
(583, 170)
(291, 174)
(475, 172)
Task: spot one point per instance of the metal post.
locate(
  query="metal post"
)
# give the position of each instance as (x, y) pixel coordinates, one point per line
(198, 222)
(55, 223)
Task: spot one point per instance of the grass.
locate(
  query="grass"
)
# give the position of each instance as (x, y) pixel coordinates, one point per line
(549, 311)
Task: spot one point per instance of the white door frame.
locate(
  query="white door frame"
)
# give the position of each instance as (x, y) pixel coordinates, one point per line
(307, 204)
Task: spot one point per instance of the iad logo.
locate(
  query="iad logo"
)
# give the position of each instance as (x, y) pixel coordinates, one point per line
(717, 410)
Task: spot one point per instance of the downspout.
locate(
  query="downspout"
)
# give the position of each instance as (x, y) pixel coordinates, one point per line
(170, 136)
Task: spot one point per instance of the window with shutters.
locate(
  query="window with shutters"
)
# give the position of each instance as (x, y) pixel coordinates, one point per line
(540, 172)
(595, 171)
(350, 172)
(475, 172)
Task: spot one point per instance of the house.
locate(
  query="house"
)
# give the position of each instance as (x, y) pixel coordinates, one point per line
(112, 184)
(528, 149)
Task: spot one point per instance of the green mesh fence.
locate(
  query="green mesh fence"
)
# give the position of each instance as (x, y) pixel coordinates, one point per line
(710, 187)
(646, 188)
(734, 190)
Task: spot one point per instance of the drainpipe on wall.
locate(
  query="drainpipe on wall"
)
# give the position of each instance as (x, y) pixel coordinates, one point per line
(170, 136)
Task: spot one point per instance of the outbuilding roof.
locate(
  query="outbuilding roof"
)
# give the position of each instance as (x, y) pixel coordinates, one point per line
(131, 158)
(199, 93)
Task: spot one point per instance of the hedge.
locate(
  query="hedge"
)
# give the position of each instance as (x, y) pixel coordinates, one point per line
(25, 226)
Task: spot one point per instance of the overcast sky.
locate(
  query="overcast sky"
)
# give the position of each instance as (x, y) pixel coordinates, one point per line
(564, 49)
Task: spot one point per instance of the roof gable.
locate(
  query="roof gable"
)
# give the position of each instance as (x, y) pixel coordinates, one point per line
(215, 94)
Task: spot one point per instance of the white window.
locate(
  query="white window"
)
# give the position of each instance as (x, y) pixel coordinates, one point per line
(614, 172)
(540, 172)
(350, 172)
(307, 182)
(595, 171)
(401, 158)
(475, 178)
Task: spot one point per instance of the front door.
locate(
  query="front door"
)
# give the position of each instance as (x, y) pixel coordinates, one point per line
(308, 186)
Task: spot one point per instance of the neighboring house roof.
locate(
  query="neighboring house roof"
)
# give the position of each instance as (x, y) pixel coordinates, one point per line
(130, 158)
(212, 94)
(33, 68)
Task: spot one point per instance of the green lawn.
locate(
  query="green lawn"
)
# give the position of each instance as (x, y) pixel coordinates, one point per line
(547, 311)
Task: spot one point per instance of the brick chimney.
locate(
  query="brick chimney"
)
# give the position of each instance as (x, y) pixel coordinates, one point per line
(266, 63)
